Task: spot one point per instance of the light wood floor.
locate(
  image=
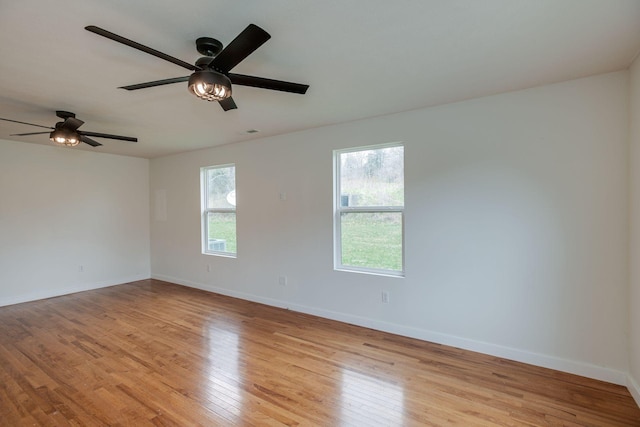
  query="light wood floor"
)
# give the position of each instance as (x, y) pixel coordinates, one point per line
(153, 353)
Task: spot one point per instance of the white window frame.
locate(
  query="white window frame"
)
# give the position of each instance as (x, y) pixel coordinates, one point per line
(338, 210)
(204, 185)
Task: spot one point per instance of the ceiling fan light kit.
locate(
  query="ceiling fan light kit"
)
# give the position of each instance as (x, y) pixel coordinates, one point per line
(210, 85)
(64, 137)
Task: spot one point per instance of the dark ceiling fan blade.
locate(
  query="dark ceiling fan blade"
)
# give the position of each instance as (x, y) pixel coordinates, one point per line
(156, 83)
(72, 123)
(261, 82)
(242, 46)
(89, 141)
(109, 136)
(228, 104)
(141, 47)
(25, 123)
(30, 133)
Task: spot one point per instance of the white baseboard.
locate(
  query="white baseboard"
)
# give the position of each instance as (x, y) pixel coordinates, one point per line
(570, 366)
(50, 293)
(634, 389)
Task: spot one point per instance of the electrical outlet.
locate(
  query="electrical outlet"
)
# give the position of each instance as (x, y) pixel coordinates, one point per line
(81, 268)
(385, 297)
(208, 268)
(282, 280)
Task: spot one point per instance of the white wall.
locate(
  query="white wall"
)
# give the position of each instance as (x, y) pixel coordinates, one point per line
(516, 225)
(61, 209)
(634, 247)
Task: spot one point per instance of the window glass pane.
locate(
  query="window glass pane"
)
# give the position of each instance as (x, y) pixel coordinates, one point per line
(372, 177)
(221, 228)
(221, 186)
(372, 240)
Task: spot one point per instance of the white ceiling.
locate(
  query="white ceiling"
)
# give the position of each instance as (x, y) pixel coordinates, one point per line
(361, 58)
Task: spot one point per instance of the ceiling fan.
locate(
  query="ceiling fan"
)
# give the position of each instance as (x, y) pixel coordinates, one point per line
(66, 132)
(211, 79)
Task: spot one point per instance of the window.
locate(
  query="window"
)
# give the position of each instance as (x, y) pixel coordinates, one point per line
(369, 209)
(219, 210)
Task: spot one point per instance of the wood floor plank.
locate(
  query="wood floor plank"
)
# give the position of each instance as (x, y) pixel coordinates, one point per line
(158, 354)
